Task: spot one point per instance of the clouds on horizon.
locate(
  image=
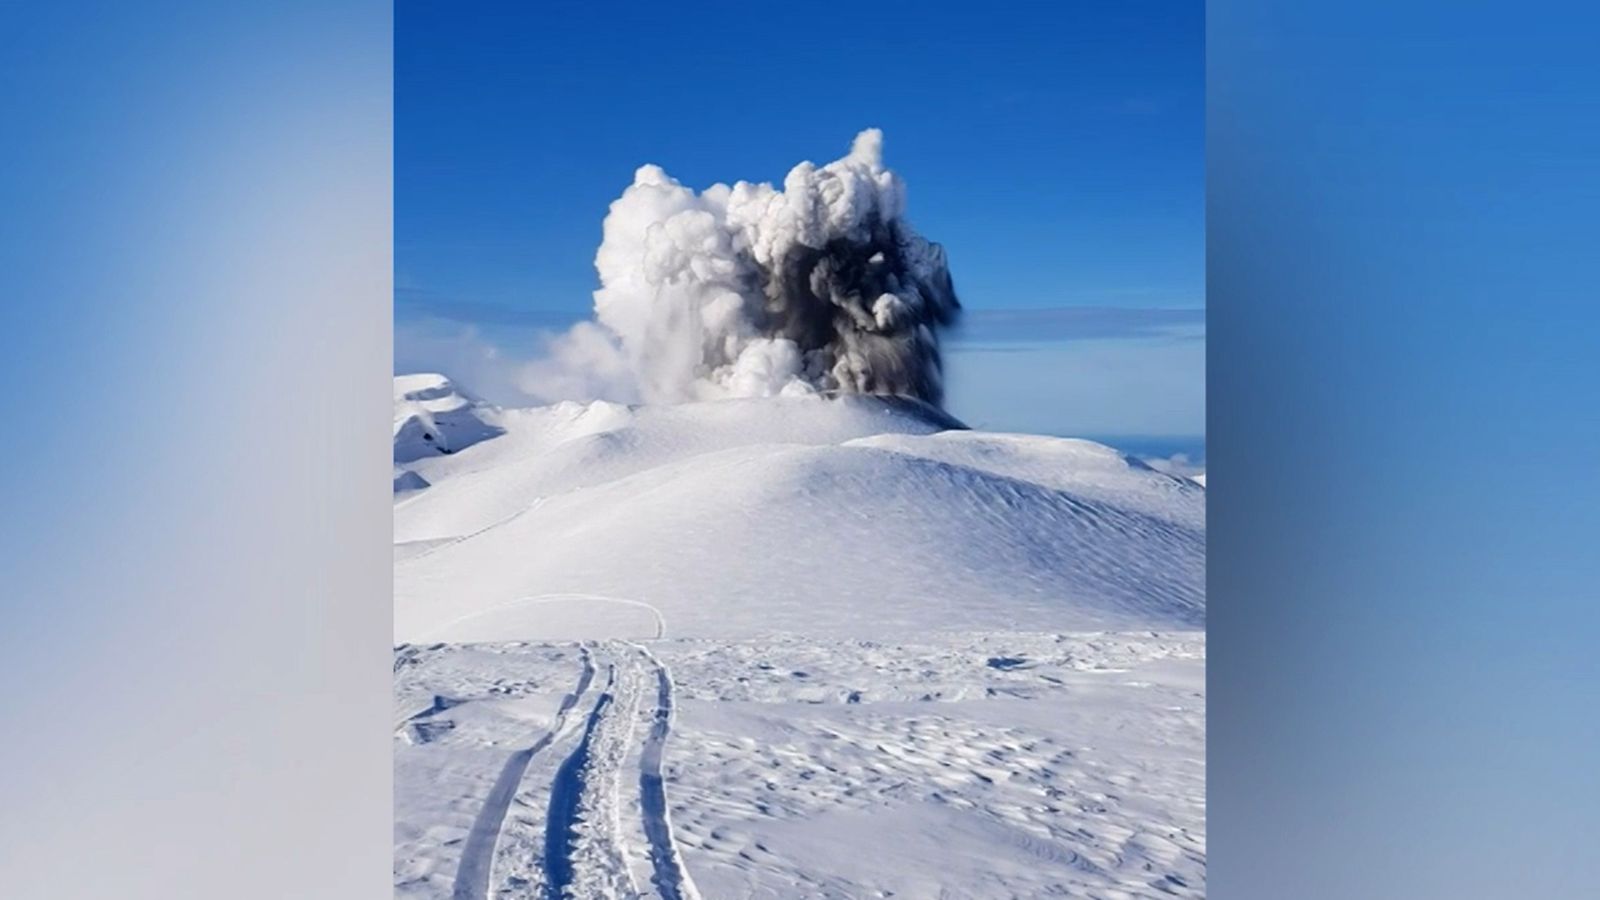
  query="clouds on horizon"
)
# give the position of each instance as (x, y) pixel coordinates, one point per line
(1112, 371)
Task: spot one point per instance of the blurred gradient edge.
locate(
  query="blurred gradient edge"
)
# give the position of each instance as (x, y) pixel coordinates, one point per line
(1401, 377)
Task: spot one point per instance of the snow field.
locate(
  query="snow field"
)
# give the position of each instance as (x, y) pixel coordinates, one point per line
(992, 765)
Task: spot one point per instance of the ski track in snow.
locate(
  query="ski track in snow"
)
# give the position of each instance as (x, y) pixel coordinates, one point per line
(991, 765)
(670, 877)
(566, 800)
(584, 849)
(438, 544)
(477, 855)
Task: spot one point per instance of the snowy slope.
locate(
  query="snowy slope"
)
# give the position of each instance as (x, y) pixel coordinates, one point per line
(789, 647)
(852, 516)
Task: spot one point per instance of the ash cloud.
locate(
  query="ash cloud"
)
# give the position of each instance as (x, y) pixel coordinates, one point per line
(752, 290)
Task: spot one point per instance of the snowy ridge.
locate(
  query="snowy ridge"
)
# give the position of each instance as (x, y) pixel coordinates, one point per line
(743, 517)
(433, 417)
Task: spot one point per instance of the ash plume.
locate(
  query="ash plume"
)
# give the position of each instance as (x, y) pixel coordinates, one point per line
(749, 290)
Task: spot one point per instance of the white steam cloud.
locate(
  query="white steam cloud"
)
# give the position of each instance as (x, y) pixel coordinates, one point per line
(750, 291)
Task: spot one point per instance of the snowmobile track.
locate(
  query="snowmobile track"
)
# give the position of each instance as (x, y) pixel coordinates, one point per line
(566, 793)
(671, 877)
(477, 855)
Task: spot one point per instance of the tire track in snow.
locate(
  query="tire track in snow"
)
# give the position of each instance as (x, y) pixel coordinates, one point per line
(477, 855)
(671, 876)
(566, 794)
(452, 541)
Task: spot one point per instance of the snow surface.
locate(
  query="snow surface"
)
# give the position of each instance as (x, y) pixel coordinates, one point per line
(847, 517)
(789, 647)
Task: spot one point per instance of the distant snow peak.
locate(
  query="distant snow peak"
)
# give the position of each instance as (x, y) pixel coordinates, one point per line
(433, 417)
(423, 387)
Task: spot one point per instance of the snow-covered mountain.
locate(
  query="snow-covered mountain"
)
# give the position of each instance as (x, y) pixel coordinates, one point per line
(855, 515)
(434, 417)
(789, 647)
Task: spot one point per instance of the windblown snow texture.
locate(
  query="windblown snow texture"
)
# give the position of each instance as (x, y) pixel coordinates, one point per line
(753, 291)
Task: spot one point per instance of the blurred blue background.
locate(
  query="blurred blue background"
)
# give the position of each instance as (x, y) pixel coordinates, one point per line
(1055, 150)
(195, 252)
(1404, 359)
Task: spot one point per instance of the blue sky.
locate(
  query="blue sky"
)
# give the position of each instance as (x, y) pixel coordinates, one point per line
(1057, 153)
